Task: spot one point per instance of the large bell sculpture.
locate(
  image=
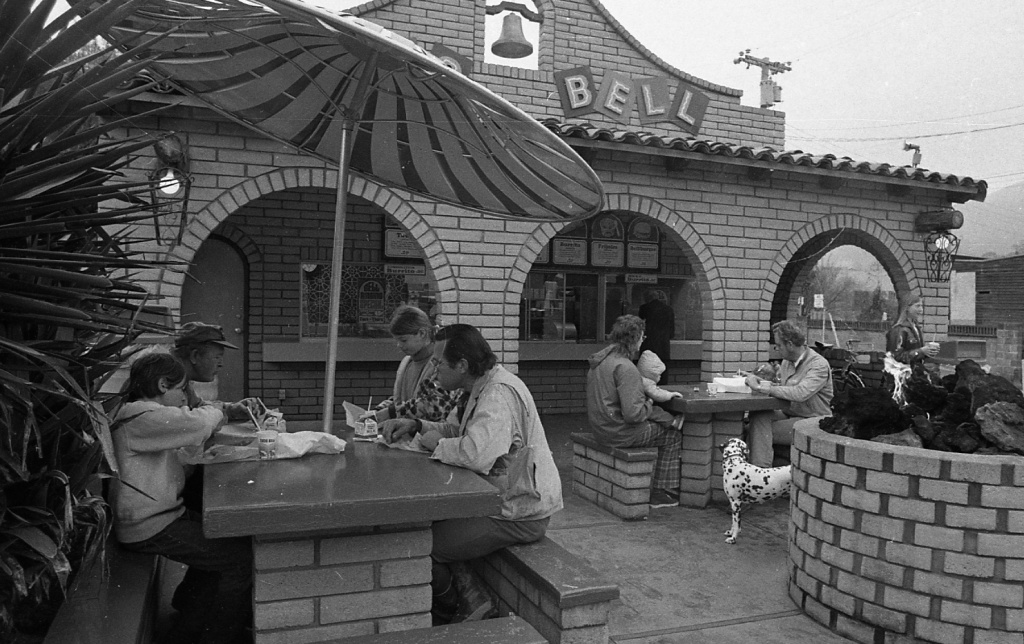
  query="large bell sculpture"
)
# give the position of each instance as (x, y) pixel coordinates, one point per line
(512, 43)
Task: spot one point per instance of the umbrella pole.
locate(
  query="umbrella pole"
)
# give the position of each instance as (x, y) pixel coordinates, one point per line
(338, 257)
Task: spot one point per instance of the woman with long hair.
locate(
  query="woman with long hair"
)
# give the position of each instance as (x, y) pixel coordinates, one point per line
(904, 340)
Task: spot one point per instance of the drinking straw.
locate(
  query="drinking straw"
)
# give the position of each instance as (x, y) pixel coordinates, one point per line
(254, 421)
(368, 403)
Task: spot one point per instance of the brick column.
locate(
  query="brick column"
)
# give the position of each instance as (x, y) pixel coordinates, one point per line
(333, 586)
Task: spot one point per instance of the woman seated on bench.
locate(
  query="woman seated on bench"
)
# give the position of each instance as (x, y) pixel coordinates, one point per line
(498, 435)
(621, 414)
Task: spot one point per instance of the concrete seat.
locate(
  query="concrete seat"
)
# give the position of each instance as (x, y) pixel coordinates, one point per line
(617, 479)
(558, 593)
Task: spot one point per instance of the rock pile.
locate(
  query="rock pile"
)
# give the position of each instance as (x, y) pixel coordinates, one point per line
(969, 412)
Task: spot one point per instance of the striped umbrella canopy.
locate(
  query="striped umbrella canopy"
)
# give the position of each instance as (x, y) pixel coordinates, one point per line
(357, 95)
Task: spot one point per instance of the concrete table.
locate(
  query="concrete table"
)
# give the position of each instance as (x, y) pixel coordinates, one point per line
(341, 542)
(710, 422)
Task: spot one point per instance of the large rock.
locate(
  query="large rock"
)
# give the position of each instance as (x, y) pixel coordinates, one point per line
(906, 438)
(1002, 423)
(985, 388)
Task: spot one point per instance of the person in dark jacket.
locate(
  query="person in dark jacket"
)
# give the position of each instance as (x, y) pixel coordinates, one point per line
(621, 414)
(904, 340)
(659, 326)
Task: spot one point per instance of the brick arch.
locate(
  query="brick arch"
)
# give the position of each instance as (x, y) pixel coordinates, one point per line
(216, 212)
(792, 266)
(696, 251)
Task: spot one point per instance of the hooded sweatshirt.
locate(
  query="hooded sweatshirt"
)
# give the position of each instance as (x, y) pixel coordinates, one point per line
(146, 496)
(617, 407)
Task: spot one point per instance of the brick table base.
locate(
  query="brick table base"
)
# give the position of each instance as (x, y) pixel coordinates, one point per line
(317, 588)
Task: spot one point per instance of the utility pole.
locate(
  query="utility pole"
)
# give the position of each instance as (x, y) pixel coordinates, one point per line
(771, 93)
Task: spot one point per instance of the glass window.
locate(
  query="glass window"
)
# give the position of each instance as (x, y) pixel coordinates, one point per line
(577, 289)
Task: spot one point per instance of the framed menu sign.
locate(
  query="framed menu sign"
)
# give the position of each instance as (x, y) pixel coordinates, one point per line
(398, 243)
(606, 254)
(569, 251)
(642, 255)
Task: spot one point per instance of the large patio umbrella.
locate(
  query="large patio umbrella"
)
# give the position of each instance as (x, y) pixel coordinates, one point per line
(354, 94)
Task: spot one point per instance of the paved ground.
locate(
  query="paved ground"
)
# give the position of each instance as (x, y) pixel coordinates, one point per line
(679, 580)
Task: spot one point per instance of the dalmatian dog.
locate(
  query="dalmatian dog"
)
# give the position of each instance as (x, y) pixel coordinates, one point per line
(744, 482)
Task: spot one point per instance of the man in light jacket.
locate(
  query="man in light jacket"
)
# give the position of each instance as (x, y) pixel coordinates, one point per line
(805, 379)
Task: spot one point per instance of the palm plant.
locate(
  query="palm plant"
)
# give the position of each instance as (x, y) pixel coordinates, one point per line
(68, 304)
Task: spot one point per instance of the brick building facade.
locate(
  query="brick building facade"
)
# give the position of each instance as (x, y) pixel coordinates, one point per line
(742, 221)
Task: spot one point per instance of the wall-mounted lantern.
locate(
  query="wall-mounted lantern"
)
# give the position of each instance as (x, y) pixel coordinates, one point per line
(170, 183)
(940, 246)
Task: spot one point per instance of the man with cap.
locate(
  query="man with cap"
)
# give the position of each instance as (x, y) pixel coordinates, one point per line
(201, 348)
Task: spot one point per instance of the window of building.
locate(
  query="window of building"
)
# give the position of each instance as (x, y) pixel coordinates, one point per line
(384, 269)
(594, 271)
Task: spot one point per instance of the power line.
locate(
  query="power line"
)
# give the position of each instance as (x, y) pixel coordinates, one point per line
(904, 123)
(918, 136)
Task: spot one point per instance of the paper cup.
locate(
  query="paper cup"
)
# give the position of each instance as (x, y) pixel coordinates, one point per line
(267, 439)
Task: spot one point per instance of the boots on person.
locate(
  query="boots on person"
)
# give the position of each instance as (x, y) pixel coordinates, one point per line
(475, 601)
(444, 598)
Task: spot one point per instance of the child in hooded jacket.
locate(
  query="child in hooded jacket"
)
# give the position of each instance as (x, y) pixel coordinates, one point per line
(651, 367)
(149, 515)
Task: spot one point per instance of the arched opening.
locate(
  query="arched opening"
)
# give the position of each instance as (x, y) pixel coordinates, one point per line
(840, 285)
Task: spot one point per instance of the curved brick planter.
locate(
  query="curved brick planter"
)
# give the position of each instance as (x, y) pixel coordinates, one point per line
(901, 544)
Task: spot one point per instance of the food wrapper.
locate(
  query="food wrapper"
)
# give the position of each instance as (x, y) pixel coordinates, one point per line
(289, 445)
(732, 385)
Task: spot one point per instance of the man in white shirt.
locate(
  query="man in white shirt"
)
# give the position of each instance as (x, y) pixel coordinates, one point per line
(805, 379)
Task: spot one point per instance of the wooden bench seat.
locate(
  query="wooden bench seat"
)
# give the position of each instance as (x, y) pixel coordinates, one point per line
(118, 609)
(558, 593)
(617, 479)
(504, 630)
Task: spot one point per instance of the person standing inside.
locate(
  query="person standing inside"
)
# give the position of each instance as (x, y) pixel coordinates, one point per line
(499, 435)
(621, 414)
(659, 326)
(904, 340)
(805, 380)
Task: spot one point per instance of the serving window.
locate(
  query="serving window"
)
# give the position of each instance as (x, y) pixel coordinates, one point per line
(597, 270)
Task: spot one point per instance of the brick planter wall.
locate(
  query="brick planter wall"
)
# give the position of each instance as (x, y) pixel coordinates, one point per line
(901, 544)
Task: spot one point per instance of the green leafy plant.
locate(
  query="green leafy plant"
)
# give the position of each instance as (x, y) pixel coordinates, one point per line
(69, 306)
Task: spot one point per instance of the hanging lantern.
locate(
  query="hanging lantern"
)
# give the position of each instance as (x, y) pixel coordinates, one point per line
(940, 248)
(170, 183)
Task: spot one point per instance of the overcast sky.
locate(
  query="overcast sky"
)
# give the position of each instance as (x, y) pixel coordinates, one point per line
(944, 74)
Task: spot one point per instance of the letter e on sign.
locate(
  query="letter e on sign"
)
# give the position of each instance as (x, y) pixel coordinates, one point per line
(616, 97)
(576, 91)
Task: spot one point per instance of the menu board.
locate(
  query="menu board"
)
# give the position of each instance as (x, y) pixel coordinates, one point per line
(642, 255)
(398, 243)
(569, 251)
(606, 254)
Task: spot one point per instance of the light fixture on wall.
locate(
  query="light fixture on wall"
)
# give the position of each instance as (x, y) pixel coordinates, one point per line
(940, 246)
(170, 184)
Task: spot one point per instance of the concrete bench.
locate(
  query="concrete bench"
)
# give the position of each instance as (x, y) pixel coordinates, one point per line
(558, 593)
(504, 630)
(617, 479)
(116, 609)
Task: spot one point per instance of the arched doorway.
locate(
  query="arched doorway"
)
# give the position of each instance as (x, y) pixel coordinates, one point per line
(215, 292)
